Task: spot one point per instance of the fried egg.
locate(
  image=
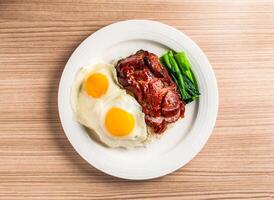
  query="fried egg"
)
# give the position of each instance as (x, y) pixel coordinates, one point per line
(102, 106)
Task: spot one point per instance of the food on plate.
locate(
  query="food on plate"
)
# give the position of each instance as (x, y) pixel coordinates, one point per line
(143, 75)
(180, 70)
(102, 106)
(140, 96)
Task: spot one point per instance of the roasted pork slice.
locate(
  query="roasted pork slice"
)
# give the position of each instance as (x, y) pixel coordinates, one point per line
(143, 76)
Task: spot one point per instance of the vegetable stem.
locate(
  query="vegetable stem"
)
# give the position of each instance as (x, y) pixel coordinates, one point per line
(179, 68)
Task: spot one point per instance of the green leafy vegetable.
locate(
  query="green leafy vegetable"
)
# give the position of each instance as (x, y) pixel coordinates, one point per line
(184, 65)
(175, 71)
(179, 68)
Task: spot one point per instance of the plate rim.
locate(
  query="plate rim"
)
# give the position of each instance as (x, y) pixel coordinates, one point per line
(205, 138)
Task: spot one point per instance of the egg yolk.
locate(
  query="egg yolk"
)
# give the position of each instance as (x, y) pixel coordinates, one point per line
(96, 85)
(119, 122)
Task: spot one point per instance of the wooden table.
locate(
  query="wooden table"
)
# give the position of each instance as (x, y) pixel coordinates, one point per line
(36, 159)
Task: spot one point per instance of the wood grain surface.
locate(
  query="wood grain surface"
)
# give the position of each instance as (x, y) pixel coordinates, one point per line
(36, 40)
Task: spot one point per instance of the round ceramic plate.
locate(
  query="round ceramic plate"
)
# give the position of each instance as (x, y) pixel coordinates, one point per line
(181, 142)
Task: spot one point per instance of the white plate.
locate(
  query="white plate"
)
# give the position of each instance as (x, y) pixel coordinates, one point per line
(179, 144)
